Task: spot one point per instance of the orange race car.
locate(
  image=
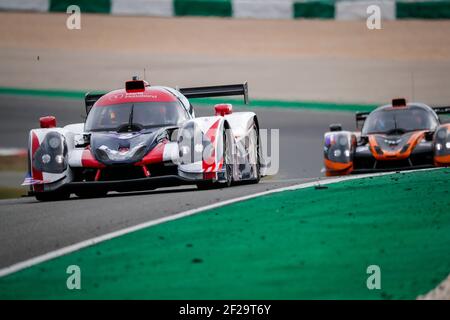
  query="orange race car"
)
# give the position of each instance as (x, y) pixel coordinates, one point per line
(396, 136)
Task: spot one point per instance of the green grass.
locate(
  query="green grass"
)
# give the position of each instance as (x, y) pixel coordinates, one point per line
(13, 163)
(10, 193)
(261, 103)
(304, 244)
(218, 8)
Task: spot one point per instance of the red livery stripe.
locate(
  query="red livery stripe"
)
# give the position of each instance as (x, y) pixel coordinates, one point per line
(209, 165)
(88, 160)
(154, 156)
(211, 133)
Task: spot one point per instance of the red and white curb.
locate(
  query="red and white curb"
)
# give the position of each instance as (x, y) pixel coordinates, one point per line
(11, 152)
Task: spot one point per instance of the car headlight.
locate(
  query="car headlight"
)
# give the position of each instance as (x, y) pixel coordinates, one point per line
(190, 143)
(338, 152)
(337, 147)
(441, 142)
(59, 159)
(54, 142)
(343, 141)
(51, 156)
(347, 153)
(442, 133)
(46, 158)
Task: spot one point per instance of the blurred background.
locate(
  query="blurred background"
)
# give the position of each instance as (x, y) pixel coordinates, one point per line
(285, 49)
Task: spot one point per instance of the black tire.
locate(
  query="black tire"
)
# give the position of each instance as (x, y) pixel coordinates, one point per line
(90, 195)
(206, 185)
(228, 166)
(258, 156)
(51, 196)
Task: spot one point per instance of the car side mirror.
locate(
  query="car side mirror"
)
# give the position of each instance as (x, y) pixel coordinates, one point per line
(223, 109)
(47, 122)
(336, 127)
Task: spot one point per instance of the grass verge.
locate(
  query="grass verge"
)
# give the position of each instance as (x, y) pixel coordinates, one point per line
(304, 244)
(261, 103)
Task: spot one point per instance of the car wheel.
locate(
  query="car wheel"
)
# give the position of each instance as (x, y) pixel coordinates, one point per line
(256, 152)
(51, 196)
(227, 158)
(90, 195)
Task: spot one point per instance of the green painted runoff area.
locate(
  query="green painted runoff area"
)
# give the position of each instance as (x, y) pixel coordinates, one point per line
(308, 105)
(304, 244)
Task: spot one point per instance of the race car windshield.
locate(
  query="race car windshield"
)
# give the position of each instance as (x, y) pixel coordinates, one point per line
(145, 114)
(399, 120)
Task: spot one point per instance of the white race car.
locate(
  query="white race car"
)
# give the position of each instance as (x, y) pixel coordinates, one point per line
(144, 137)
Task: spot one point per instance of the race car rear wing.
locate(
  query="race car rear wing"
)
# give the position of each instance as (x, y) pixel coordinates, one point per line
(90, 99)
(360, 117)
(217, 91)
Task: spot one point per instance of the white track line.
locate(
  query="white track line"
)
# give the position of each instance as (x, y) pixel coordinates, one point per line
(86, 243)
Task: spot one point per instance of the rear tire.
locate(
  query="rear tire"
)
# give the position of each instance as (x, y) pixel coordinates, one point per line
(254, 158)
(257, 153)
(258, 156)
(90, 195)
(206, 185)
(227, 159)
(51, 196)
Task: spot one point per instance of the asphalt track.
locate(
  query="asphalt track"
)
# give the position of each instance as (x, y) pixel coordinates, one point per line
(29, 228)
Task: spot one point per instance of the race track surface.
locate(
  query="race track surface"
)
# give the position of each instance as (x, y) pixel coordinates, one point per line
(29, 228)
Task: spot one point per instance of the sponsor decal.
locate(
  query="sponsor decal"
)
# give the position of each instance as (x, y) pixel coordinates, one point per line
(362, 148)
